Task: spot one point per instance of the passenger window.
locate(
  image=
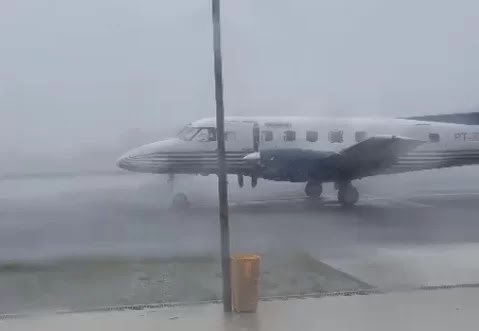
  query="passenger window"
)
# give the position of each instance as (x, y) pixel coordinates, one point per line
(312, 136)
(336, 136)
(289, 135)
(267, 135)
(360, 136)
(230, 136)
(434, 137)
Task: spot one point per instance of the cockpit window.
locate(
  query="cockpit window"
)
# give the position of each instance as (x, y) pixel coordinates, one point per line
(188, 133)
(198, 134)
(205, 135)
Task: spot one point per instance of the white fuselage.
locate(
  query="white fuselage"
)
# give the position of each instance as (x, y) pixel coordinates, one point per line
(194, 150)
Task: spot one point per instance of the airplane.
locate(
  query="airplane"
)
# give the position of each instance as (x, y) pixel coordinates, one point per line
(312, 150)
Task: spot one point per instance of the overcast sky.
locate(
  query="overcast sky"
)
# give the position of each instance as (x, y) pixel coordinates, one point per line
(85, 71)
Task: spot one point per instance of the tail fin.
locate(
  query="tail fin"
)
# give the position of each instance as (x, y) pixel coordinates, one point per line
(459, 118)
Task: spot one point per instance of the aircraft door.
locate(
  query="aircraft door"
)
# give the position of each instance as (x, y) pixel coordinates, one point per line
(241, 137)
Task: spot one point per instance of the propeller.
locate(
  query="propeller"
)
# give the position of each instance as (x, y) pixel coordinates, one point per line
(255, 157)
(254, 181)
(241, 181)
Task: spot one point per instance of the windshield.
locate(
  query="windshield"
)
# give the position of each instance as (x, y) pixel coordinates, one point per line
(205, 135)
(197, 134)
(187, 133)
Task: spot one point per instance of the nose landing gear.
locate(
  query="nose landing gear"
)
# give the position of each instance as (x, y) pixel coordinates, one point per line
(179, 200)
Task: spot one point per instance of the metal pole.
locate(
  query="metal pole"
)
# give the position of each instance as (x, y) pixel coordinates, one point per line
(222, 180)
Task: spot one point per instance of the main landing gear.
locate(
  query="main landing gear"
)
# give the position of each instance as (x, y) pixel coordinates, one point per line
(348, 195)
(313, 189)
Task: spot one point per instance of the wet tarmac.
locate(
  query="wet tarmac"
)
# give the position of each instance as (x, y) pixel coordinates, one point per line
(407, 231)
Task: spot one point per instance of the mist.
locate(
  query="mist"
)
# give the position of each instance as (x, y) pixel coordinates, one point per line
(82, 78)
(83, 82)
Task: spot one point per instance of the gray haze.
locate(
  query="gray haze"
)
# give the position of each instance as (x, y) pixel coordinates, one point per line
(81, 75)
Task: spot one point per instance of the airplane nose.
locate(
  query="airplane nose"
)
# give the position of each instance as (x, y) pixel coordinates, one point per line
(131, 159)
(149, 158)
(122, 163)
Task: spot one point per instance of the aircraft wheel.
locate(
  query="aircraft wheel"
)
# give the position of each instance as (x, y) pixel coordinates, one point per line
(180, 202)
(313, 189)
(348, 195)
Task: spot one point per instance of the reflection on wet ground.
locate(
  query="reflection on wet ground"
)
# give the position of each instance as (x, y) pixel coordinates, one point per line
(72, 243)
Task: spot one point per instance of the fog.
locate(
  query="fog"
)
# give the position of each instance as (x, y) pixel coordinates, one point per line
(83, 77)
(82, 82)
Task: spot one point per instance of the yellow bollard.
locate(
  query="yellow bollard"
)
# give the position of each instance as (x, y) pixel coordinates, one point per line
(244, 282)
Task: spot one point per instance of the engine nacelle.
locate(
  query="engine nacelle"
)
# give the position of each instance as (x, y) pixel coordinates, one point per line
(294, 165)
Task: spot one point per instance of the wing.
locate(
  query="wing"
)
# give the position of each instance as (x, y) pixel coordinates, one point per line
(365, 158)
(372, 155)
